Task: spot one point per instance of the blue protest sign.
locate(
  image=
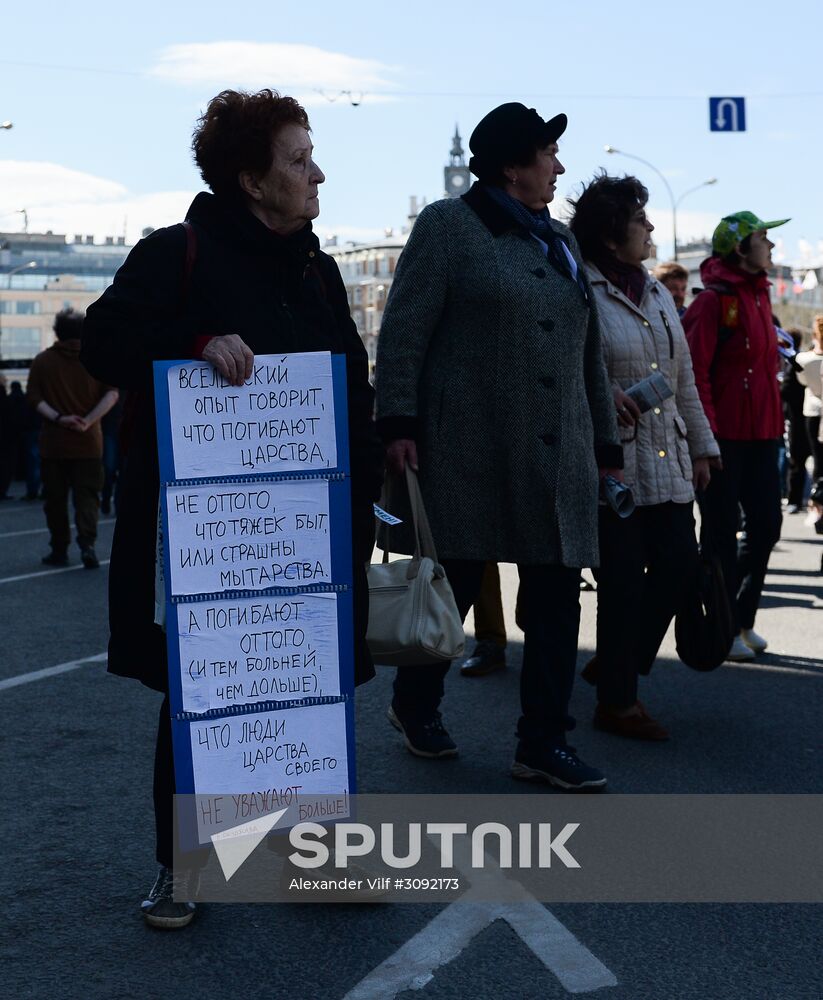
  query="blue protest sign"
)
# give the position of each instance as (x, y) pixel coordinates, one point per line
(727, 114)
(255, 529)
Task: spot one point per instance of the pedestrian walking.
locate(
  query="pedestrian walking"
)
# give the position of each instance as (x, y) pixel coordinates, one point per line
(733, 343)
(649, 559)
(797, 436)
(489, 653)
(71, 403)
(808, 375)
(490, 382)
(245, 276)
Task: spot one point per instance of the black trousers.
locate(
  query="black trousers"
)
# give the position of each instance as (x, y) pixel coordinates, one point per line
(164, 788)
(550, 610)
(749, 482)
(799, 450)
(647, 562)
(815, 445)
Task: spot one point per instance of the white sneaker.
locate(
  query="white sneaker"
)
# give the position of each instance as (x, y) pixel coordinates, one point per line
(740, 651)
(753, 640)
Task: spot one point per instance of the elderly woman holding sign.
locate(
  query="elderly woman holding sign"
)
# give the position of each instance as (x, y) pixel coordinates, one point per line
(243, 276)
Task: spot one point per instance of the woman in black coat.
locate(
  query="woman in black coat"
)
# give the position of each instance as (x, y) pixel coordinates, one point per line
(245, 275)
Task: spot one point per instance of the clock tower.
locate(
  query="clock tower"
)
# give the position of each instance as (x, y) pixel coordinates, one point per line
(456, 175)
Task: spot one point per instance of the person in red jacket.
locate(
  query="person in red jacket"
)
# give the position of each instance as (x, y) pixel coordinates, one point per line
(733, 344)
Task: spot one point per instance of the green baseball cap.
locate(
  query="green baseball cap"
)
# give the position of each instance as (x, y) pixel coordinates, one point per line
(736, 227)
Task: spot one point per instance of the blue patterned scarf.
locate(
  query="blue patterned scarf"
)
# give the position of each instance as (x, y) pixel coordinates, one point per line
(539, 224)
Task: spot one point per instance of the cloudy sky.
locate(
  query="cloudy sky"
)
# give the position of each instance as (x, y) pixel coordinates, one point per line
(103, 101)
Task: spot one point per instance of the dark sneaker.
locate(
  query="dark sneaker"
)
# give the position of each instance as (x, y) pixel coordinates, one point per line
(160, 909)
(486, 658)
(426, 737)
(89, 557)
(55, 558)
(559, 766)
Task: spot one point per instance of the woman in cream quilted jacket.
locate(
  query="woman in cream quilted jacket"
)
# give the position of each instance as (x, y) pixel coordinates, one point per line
(647, 559)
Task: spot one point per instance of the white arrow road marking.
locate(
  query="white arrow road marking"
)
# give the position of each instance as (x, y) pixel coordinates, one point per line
(557, 948)
(234, 846)
(61, 668)
(414, 964)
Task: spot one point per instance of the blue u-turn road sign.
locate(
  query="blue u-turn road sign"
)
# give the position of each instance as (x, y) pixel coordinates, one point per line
(727, 114)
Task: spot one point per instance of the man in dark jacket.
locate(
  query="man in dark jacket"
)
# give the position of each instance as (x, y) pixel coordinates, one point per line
(72, 404)
(733, 344)
(246, 277)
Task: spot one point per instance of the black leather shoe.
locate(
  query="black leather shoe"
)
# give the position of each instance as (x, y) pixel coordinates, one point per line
(89, 557)
(55, 558)
(486, 658)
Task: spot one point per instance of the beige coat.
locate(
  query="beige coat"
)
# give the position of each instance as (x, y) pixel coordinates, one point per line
(638, 341)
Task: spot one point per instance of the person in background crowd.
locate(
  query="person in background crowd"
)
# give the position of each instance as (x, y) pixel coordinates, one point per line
(675, 277)
(808, 375)
(26, 422)
(7, 441)
(252, 240)
(797, 436)
(733, 344)
(489, 336)
(18, 409)
(648, 559)
(111, 458)
(71, 403)
(489, 652)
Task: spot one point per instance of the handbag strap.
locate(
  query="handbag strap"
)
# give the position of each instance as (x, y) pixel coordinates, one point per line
(423, 540)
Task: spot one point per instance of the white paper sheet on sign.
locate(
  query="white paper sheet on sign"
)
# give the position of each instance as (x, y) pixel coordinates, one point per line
(280, 420)
(248, 536)
(248, 650)
(304, 747)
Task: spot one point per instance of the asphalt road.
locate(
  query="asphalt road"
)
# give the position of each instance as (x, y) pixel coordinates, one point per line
(76, 761)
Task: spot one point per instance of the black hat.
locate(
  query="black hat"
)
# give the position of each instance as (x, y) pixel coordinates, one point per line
(510, 134)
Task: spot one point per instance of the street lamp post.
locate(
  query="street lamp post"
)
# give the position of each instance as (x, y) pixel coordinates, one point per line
(674, 201)
(22, 267)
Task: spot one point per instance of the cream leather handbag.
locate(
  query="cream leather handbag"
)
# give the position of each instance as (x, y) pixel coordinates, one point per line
(413, 618)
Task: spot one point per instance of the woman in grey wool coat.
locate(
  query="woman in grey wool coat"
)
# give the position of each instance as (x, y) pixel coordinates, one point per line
(490, 382)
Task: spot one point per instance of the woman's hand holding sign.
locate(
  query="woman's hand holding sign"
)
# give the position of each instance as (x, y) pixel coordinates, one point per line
(231, 357)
